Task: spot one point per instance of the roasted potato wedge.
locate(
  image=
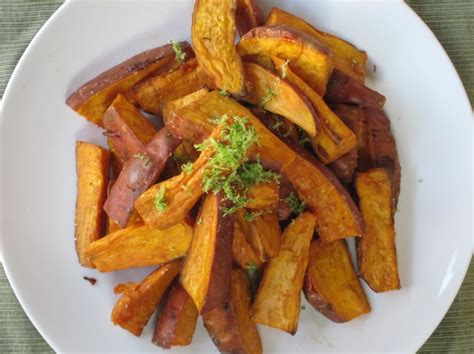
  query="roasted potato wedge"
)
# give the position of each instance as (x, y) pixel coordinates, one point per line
(376, 251)
(263, 196)
(243, 253)
(213, 34)
(230, 325)
(207, 267)
(347, 58)
(344, 89)
(191, 123)
(382, 147)
(248, 15)
(92, 99)
(127, 129)
(278, 299)
(180, 194)
(345, 166)
(331, 283)
(337, 216)
(92, 168)
(133, 310)
(134, 219)
(273, 94)
(310, 60)
(139, 246)
(155, 92)
(262, 231)
(334, 138)
(139, 173)
(176, 322)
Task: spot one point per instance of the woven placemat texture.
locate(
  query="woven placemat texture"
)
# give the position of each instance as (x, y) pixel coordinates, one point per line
(451, 21)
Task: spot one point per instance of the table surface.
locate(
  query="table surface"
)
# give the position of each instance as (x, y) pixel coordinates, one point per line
(452, 21)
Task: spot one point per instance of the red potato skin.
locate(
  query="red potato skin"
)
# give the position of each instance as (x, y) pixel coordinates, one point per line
(286, 189)
(168, 321)
(345, 166)
(344, 89)
(231, 339)
(382, 147)
(248, 15)
(124, 141)
(317, 301)
(131, 66)
(138, 174)
(219, 284)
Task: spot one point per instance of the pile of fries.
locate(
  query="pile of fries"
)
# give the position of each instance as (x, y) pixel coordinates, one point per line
(272, 152)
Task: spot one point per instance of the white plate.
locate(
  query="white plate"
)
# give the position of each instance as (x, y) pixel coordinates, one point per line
(431, 119)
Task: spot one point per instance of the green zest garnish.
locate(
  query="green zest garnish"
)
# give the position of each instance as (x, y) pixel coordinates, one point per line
(252, 268)
(302, 137)
(223, 93)
(160, 203)
(252, 215)
(187, 168)
(267, 98)
(278, 123)
(283, 68)
(228, 169)
(180, 54)
(199, 222)
(249, 216)
(146, 160)
(297, 206)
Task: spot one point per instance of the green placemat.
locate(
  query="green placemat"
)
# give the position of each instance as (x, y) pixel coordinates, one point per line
(451, 21)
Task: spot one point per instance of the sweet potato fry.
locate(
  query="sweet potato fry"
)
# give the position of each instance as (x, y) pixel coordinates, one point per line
(376, 251)
(382, 147)
(248, 15)
(230, 325)
(134, 219)
(331, 283)
(191, 123)
(263, 196)
(344, 89)
(243, 253)
(174, 119)
(213, 34)
(310, 60)
(127, 129)
(207, 267)
(347, 58)
(177, 321)
(153, 93)
(180, 194)
(92, 168)
(273, 94)
(337, 215)
(262, 230)
(139, 246)
(133, 310)
(278, 299)
(357, 157)
(138, 174)
(92, 99)
(334, 138)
